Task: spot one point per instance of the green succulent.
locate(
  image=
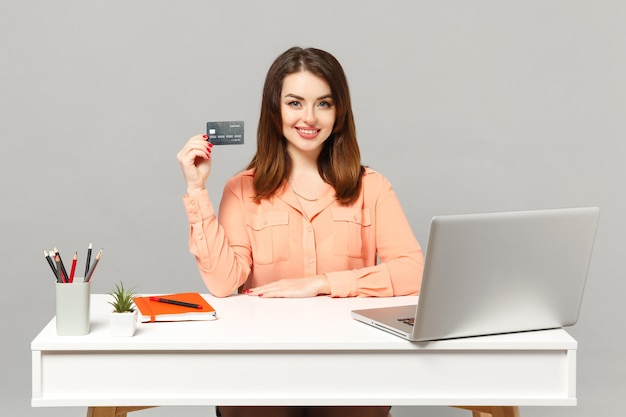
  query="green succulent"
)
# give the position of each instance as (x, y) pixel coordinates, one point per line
(122, 299)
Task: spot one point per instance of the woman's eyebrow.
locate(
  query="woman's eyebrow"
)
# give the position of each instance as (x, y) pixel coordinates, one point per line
(326, 96)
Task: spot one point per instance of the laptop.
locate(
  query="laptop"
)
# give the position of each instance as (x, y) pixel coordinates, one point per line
(493, 273)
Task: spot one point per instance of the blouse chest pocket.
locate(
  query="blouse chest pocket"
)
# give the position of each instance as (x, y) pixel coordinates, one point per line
(269, 236)
(350, 226)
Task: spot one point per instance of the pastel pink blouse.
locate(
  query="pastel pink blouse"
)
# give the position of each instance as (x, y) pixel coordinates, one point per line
(364, 249)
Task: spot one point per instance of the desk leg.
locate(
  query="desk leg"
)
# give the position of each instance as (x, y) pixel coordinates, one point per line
(510, 411)
(112, 411)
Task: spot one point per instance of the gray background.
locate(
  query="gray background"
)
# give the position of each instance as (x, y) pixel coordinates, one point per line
(465, 106)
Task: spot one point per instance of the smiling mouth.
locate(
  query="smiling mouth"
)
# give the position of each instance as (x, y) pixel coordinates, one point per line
(308, 131)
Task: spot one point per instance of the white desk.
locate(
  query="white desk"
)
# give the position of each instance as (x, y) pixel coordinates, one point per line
(295, 352)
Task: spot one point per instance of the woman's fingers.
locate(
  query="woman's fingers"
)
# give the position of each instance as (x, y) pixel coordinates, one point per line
(196, 147)
(294, 287)
(195, 161)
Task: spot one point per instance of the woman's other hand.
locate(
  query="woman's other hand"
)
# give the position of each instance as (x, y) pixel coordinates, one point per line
(293, 288)
(195, 161)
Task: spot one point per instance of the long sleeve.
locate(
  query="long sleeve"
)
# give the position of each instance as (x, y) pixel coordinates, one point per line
(222, 267)
(389, 236)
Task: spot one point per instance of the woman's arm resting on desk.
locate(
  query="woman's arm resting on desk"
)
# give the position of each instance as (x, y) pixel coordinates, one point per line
(401, 261)
(295, 287)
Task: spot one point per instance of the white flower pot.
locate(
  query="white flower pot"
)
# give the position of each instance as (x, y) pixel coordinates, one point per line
(123, 324)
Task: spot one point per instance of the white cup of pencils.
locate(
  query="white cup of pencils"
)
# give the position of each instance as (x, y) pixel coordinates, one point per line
(72, 293)
(72, 308)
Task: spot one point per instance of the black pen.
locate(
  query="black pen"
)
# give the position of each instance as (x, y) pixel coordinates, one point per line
(178, 303)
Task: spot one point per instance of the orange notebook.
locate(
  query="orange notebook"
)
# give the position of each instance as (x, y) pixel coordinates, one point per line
(169, 308)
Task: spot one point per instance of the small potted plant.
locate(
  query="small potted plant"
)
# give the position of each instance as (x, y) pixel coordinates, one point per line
(122, 320)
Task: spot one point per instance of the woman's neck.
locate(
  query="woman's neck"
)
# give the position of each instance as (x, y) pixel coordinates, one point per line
(304, 164)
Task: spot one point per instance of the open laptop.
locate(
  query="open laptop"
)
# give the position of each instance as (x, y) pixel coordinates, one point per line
(494, 273)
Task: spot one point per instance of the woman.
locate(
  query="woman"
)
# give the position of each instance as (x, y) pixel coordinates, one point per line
(305, 218)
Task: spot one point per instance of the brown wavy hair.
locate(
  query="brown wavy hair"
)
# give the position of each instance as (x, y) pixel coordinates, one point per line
(339, 162)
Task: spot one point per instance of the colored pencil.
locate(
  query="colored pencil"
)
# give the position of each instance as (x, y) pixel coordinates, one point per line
(73, 270)
(51, 263)
(93, 267)
(89, 249)
(57, 259)
(66, 278)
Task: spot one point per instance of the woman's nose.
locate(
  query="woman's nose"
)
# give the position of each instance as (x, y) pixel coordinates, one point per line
(310, 116)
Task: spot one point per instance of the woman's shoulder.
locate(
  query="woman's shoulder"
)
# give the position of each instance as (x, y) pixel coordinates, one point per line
(373, 177)
(369, 171)
(246, 173)
(375, 186)
(241, 180)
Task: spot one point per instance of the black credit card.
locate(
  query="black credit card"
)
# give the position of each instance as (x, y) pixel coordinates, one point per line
(225, 133)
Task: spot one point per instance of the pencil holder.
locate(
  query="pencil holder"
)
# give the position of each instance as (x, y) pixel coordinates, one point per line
(72, 308)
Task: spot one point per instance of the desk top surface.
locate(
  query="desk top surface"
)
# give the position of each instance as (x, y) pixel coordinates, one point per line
(253, 323)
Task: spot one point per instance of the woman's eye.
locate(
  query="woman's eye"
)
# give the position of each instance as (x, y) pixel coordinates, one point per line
(294, 103)
(325, 104)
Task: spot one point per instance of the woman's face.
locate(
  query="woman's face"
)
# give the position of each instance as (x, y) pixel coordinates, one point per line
(307, 111)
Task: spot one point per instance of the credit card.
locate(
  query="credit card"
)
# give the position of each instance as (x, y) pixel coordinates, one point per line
(225, 133)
